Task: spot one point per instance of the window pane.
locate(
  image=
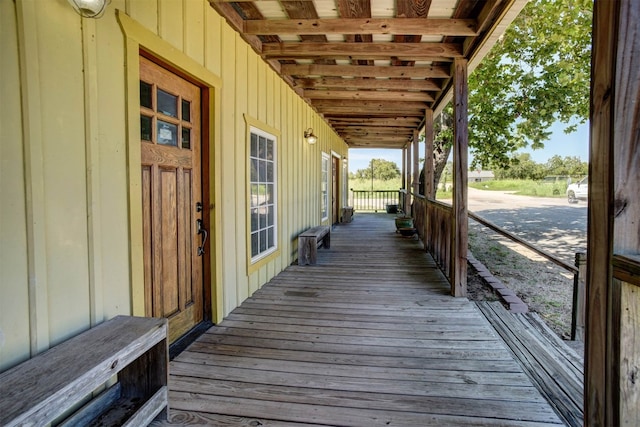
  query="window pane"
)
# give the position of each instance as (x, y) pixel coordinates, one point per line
(254, 244)
(254, 170)
(270, 171)
(262, 148)
(270, 239)
(145, 95)
(270, 149)
(186, 111)
(254, 219)
(254, 195)
(167, 103)
(254, 145)
(263, 240)
(263, 216)
(167, 133)
(145, 128)
(186, 138)
(262, 171)
(270, 216)
(269, 196)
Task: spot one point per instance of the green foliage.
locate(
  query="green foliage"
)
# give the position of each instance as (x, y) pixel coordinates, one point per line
(363, 184)
(382, 169)
(520, 166)
(537, 74)
(524, 187)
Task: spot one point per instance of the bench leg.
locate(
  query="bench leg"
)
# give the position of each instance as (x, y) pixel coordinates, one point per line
(326, 241)
(307, 251)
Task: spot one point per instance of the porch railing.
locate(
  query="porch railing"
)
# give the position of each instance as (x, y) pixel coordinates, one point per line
(373, 200)
(432, 220)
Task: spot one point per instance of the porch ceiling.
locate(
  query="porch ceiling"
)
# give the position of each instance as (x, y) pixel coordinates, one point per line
(370, 67)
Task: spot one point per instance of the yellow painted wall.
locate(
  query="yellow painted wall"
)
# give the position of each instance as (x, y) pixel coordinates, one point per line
(69, 226)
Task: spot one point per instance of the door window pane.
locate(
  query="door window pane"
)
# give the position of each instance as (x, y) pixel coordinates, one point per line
(186, 138)
(167, 103)
(186, 111)
(167, 133)
(145, 95)
(146, 128)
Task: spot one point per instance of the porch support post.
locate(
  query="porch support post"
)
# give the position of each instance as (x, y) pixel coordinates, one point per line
(407, 208)
(460, 225)
(612, 349)
(404, 167)
(429, 190)
(416, 163)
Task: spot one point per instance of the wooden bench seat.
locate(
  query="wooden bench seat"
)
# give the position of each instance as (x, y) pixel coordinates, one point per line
(308, 244)
(42, 389)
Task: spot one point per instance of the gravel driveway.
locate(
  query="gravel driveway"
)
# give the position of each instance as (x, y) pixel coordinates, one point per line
(551, 224)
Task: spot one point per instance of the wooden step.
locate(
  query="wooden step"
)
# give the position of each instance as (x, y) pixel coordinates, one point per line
(555, 369)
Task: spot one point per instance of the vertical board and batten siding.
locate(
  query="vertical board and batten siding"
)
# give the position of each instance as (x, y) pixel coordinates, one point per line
(65, 186)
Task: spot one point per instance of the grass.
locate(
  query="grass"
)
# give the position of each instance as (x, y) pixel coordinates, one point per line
(393, 184)
(524, 187)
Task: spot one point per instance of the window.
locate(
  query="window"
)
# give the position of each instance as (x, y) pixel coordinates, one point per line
(262, 193)
(324, 191)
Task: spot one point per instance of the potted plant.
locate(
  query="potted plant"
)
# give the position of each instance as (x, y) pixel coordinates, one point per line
(404, 222)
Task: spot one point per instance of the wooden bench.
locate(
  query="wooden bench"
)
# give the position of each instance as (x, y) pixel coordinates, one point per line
(308, 244)
(47, 387)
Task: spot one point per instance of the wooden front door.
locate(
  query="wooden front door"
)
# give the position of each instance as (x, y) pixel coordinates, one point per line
(335, 170)
(170, 123)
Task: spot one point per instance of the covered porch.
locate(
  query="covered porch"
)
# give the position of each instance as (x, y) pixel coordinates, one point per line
(369, 336)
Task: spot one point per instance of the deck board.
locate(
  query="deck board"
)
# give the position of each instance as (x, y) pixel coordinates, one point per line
(368, 336)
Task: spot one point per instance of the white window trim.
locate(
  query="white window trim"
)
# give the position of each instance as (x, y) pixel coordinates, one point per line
(274, 248)
(325, 197)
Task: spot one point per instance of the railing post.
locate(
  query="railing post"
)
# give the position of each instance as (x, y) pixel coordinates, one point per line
(579, 298)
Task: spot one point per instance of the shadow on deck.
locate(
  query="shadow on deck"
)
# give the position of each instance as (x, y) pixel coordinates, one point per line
(368, 337)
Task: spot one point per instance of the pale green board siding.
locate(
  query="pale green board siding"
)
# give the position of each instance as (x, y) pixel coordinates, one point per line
(64, 182)
(14, 322)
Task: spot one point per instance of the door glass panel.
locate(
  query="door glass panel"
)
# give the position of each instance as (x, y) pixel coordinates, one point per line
(186, 111)
(167, 133)
(145, 95)
(186, 138)
(145, 128)
(167, 103)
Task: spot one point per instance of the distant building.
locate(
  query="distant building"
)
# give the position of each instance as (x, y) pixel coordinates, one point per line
(480, 176)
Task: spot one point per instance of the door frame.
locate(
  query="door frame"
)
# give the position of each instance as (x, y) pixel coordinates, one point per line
(140, 41)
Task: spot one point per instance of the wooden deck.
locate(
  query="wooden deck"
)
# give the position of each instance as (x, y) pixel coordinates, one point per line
(367, 337)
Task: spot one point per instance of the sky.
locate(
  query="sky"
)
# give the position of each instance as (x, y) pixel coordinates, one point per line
(561, 144)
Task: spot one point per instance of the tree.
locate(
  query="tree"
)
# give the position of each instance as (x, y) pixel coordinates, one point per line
(521, 166)
(382, 169)
(536, 75)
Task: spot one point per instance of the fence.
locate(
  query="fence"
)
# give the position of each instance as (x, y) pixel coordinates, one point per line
(373, 200)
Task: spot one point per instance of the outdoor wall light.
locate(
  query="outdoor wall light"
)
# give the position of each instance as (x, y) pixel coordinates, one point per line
(90, 8)
(310, 137)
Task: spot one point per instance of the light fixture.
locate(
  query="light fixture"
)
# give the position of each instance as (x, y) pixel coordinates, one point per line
(310, 137)
(90, 8)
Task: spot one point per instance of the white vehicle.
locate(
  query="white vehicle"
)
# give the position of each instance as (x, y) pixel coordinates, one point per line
(578, 190)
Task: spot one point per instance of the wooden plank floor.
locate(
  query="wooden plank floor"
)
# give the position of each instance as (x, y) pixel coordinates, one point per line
(368, 337)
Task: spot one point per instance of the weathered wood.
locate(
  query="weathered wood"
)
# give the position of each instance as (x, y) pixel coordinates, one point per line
(429, 71)
(365, 337)
(460, 221)
(41, 389)
(551, 365)
(422, 26)
(360, 83)
(308, 244)
(578, 309)
(380, 50)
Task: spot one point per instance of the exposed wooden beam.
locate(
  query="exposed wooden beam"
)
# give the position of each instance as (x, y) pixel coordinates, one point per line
(359, 106)
(391, 84)
(370, 95)
(380, 50)
(431, 71)
(372, 130)
(419, 26)
(370, 112)
(400, 122)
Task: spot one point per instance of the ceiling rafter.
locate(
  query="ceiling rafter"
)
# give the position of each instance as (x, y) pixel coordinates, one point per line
(370, 84)
(379, 50)
(418, 26)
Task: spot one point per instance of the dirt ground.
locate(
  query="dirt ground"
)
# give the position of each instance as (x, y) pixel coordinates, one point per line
(545, 288)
